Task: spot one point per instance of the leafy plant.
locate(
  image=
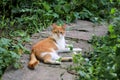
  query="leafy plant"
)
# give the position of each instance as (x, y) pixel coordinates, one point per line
(34, 16)
(20, 17)
(8, 54)
(104, 61)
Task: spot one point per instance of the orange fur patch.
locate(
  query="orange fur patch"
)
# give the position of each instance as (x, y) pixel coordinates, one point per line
(45, 45)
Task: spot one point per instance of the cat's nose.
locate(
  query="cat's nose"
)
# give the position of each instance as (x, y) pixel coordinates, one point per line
(58, 35)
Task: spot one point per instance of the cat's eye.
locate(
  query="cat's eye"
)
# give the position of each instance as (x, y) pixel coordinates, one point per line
(60, 32)
(55, 32)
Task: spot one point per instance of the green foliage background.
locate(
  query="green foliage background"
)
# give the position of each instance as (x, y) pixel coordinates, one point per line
(8, 54)
(21, 18)
(35, 15)
(104, 61)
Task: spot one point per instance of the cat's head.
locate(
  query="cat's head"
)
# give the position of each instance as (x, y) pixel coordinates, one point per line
(58, 31)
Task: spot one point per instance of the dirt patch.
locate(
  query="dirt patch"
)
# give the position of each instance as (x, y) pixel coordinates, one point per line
(78, 34)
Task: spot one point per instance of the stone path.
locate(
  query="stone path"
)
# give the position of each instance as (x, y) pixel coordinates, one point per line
(77, 34)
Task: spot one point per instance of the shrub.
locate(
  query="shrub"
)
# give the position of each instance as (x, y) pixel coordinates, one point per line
(104, 63)
(10, 52)
(35, 15)
(11, 48)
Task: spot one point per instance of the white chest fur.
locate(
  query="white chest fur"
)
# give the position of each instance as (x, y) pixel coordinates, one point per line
(61, 43)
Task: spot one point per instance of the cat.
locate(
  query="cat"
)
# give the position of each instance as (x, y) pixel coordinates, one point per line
(47, 49)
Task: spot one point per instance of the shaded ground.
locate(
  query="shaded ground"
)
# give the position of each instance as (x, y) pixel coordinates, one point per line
(77, 34)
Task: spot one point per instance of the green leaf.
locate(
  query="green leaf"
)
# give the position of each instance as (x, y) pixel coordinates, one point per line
(2, 50)
(17, 65)
(14, 55)
(114, 74)
(5, 41)
(113, 10)
(111, 1)
(82, 73)
(55, 15)
(91, 69)
(110, 29)
(46, 6)
(76, 14)
(58, 9)
(67, 8)
(1, 61)
(70, 46)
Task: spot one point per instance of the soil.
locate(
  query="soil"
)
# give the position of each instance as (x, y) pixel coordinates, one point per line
(78, 34)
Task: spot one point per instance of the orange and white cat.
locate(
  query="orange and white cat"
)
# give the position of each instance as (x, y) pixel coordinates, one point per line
(48, 49)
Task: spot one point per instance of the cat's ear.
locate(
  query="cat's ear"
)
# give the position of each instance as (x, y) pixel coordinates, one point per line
(64, 26)
(54, 25)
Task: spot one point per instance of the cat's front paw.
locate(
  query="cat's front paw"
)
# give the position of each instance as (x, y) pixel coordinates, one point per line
(77, 49)
(57, 62)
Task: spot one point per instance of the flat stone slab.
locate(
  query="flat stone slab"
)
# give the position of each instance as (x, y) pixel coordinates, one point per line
(78, 34)
(85, 31)
(42, 72)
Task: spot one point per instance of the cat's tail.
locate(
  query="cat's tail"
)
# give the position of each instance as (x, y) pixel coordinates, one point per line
(33, 61)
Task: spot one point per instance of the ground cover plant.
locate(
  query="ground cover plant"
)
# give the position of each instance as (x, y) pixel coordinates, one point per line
(21, 18)
(104, 63)
(11, 48)
(34, 15)
(9, 54)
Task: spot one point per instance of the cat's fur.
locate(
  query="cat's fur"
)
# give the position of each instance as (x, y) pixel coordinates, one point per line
(47, 49)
